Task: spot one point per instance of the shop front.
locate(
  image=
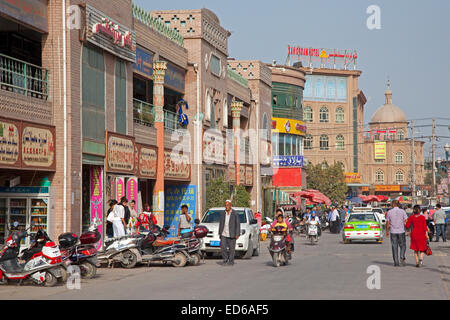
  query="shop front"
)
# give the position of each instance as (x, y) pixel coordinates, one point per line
(27, 166)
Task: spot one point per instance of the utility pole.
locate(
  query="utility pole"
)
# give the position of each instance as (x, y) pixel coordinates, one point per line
(433, 139)
(413, 163)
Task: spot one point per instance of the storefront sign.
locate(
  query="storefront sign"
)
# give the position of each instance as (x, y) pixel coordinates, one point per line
(109, 35)
(325, 58)
(214, 148)
(352, 177)
(387, 188)
(147, 162)
(290, 126)
(144, 62)
(96, 174)
(287, 161)
(120, 153)
(9, 144)
(175, 197)
(176, 166)
(249, 175)
(174, 77)
(31, 12)
(380, 150)
(38, 147)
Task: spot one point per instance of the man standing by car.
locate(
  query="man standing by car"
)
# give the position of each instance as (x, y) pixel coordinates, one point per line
(395, 226)
(439, 222)
(229, 231)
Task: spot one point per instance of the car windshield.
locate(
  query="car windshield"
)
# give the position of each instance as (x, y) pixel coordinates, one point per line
(362, 217)
(213, 216)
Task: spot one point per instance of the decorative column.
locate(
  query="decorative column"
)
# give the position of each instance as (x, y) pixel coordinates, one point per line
(236, 108)
(159, 71)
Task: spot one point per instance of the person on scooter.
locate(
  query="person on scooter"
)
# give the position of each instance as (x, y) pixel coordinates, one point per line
(280, 215)
(314, 218)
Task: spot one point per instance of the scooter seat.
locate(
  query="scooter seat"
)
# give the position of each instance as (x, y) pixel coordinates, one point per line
(160, 243)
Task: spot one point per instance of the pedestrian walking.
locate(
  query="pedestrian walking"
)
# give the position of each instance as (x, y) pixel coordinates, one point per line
(229, 231)
(109, 225)
(334, 220)
(439, 222)
(342, 215)
(419, 235)
(117, 218)
(185, 219)
(395, 226)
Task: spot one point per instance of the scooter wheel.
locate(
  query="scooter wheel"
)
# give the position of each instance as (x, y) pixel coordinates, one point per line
(88, 270)
(50, 280)
(196, 258)
(130, 259)
(179, 260)
(276, 261)
(63, 278)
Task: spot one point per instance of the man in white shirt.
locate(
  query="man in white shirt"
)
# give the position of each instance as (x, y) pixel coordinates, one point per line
(334, 220)
(118, 220)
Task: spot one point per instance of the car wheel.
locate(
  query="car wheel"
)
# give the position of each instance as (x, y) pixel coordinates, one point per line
(248, 254)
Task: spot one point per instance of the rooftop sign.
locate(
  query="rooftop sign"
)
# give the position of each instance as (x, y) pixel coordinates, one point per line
(323, 58)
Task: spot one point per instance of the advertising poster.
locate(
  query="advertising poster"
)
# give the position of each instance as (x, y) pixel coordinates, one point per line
(97, 198)
(132, 189)
(120, 188)
(380, 150)
(176, 196)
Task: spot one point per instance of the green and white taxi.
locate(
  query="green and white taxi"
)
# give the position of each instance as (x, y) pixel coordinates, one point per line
(362, 226)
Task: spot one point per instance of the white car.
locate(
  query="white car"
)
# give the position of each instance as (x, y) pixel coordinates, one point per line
(248, 243)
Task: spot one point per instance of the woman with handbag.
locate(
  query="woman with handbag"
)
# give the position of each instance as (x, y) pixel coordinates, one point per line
(419, 235)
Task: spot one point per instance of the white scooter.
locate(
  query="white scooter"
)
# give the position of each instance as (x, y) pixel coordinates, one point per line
(313, 231)
(121, 249)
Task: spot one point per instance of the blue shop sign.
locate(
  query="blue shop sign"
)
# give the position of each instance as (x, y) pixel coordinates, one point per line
(287, 161)
(23, 190)
(144, 62)
(174, 77)
(175, 197)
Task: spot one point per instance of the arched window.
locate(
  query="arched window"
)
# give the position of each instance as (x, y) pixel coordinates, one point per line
(340, 115)
(379, 176)
(340, 143)
(308, 114)
(399, 157)
(400, 135)
(324, 142)
(308, 142)
(213, 114)
(399, 176)
(208, 106)
(324, 115)
(324, 165)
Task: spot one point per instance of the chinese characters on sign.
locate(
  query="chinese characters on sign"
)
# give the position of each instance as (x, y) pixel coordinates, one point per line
(9, 143)
(38, 147)
(147, 162)
(121, 153)
(176, 196)
(352, 177)
(176, 166)
(380, 150)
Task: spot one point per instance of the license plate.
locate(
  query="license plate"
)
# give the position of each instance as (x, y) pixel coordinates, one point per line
(361, 227)
(214, 243)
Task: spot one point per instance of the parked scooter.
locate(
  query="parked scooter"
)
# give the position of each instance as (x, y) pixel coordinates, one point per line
(44, 267)
(120, 249)
(313, 231)
(81, 251)
(277, 248)
(193, 239)
(324, 224)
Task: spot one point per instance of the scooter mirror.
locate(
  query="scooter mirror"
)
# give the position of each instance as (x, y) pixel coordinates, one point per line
(15, 224)
(197, 221)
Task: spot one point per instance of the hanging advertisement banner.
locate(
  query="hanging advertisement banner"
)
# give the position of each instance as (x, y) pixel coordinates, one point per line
(144, 62)
(291, 126)
(120, 188)
(380, 150)
(96, 174)
(176, 166)
(174, 77)
(132, 189)
(175, 197)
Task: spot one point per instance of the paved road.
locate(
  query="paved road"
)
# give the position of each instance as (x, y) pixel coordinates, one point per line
(329, 270)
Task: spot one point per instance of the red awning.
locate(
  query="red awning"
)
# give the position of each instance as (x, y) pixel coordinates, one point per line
(313, 196)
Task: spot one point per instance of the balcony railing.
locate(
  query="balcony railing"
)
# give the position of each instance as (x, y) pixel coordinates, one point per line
(23, 78)
(143, 113)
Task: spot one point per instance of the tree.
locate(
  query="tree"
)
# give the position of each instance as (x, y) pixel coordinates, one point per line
(330, 180)
(241, 198)
(217, 193)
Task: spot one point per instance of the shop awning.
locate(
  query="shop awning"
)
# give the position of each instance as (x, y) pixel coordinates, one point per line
(93, 160)
(358, 185)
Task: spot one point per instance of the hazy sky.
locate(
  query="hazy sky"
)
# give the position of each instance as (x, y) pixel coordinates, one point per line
(411, 48)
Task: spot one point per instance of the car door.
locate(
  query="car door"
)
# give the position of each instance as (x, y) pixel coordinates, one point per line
(253, 228)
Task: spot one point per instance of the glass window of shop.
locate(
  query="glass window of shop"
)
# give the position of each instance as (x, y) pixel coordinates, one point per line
(121, 97)
(93, 96)
(142, 89)
(287, 144)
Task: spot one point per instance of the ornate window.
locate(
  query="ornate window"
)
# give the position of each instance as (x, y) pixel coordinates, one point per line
(308, 142)
(379, 176)
(340, 115)
(324, 142)
(400, 135)
(308, 114)
(340, 143)
(399, 176)
(324, 115)
(399, 157)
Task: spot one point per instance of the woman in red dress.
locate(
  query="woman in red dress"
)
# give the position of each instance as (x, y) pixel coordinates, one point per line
(419, 235)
